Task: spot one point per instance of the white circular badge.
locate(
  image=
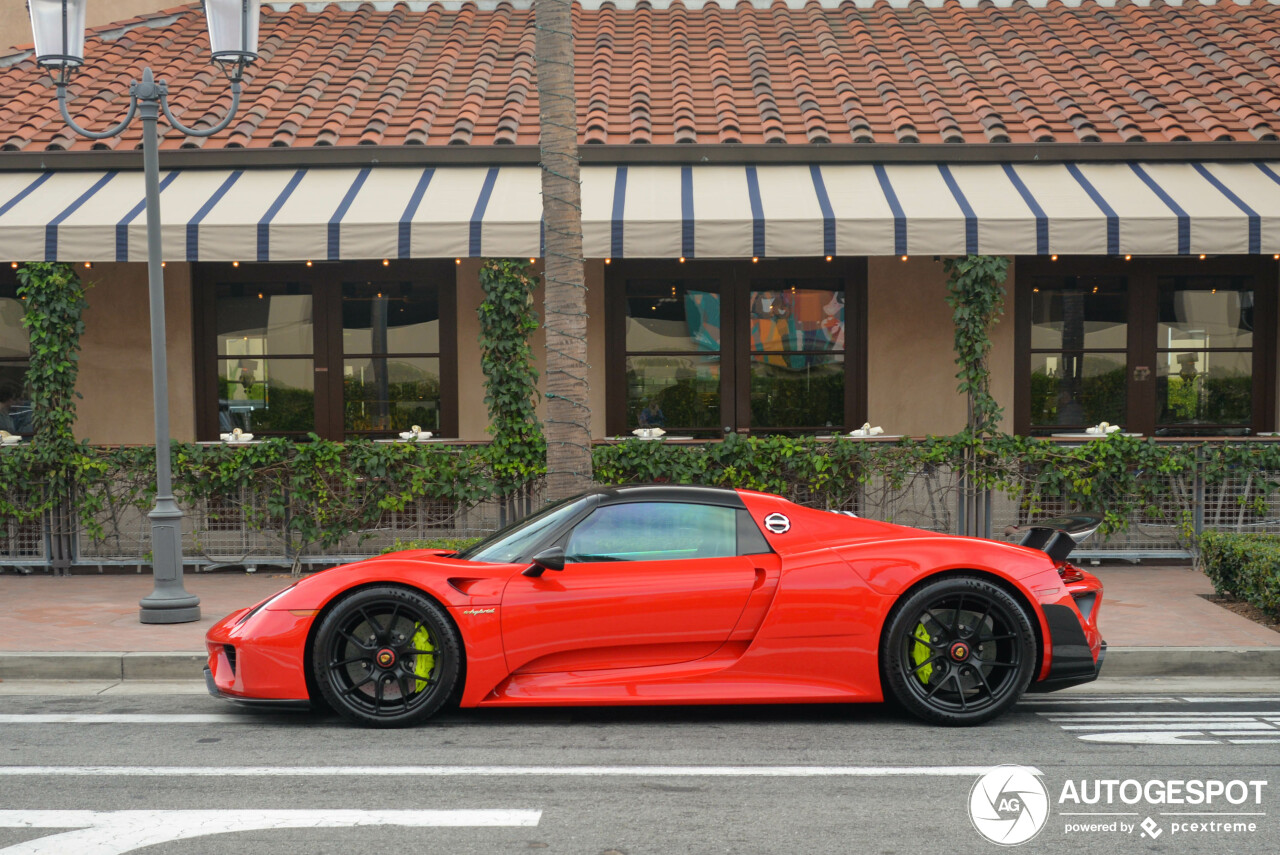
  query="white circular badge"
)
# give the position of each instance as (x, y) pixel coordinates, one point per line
(777, 523)
(1009, 805)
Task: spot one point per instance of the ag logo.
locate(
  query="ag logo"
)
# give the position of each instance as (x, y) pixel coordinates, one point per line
(1009, 805)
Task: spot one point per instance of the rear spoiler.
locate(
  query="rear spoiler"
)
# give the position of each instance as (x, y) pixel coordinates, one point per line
(1058, 536)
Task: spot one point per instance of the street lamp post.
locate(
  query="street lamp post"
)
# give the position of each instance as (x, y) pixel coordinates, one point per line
(58, 27)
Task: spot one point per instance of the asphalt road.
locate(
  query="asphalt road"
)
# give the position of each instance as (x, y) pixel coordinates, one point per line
(91, 775)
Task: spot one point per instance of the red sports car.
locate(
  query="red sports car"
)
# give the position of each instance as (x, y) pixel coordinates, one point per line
(676, 595)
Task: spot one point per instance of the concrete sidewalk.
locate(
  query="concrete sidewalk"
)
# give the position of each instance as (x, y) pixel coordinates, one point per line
(1154, 618)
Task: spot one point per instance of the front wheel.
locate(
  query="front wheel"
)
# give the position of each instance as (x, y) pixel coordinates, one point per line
(959, 651)
(386, 657)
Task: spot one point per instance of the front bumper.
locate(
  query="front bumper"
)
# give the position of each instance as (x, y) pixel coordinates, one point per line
(259, 656)
(256, 703)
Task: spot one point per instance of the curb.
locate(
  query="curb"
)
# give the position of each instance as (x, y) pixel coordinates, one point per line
(102, 665)
(1191, 662)
(1120, 662)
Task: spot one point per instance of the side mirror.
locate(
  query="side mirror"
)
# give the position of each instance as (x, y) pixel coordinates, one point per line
(547, 559)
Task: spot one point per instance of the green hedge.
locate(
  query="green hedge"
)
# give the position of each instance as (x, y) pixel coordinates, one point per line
(1124, 478)
(1246, 566)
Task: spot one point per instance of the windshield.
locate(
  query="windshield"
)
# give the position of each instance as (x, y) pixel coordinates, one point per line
(512, 544)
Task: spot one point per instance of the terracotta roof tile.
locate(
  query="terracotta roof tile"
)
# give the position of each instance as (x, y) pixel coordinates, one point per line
(360, 74)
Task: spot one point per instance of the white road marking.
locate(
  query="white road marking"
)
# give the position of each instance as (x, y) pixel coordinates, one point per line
(118, 832)
(1160, 738)
(1179, 726)
(1090, 701)
(1210, 727)
(496, 771)
(127, 718)
(1170, 714)
(1136, 699)
(1257, 699)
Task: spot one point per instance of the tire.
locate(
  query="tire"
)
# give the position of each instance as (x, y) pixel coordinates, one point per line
(958, 651)
(386, 657)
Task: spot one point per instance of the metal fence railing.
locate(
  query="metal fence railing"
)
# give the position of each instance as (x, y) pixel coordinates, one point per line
(230, 530)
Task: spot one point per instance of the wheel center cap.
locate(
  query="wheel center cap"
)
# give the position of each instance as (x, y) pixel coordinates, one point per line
(386, 657)
(959, 651)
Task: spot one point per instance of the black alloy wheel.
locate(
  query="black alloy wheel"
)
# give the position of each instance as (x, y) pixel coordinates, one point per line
(959, 651)
(386, 657)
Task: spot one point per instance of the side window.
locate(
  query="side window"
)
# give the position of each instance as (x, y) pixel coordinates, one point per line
(750, 539)
(654, 531)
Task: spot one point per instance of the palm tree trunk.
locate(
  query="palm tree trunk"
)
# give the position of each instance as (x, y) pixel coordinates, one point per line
(568, 419)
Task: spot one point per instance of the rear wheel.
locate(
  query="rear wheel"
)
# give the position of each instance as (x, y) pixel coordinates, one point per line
(386, 657)
(959, 651)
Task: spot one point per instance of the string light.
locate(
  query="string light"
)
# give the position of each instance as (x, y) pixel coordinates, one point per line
(1128, 258)
(235, 264)
(608, 261)
(828, 258)
(1053, 258)
(1202, 256)
(904, 258)
(88, 265)
(457, 261)
(533, 261)
(386, 262)
(755, 259)
(682, 259)
(14, 264)
(308, 262)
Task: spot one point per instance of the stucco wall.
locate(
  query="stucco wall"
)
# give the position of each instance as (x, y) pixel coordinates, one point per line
(15, 26)
(472, 414)
(911, 384)
(115, 356)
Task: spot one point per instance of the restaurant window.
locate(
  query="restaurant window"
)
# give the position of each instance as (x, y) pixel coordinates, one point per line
(1165, 347)
(339, 350)
(15, 349)
(1204, 352)
(705, 348)
(1079, 351)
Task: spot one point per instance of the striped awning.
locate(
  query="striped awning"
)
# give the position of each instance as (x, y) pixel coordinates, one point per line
(651, 211)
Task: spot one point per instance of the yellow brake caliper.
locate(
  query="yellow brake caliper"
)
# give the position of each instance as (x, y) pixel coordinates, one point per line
(423, 662)
(921, 653)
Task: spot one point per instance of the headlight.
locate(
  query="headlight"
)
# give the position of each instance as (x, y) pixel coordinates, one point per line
(262, 605)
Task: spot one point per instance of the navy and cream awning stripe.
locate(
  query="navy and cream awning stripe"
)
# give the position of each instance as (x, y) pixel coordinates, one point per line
(651, 211)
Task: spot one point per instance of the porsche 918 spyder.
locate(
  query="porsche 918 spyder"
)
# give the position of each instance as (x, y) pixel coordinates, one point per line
(676, 595)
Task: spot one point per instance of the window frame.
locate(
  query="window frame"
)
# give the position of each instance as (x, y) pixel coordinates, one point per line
(1142, 276)
(9, 282)
(734, 283)
(325, 280)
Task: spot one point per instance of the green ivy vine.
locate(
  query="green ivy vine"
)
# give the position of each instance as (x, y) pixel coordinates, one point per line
(518, 452)
(975, 293)
(42, 473)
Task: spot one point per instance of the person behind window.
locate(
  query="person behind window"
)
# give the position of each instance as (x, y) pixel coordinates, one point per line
(651, 415)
